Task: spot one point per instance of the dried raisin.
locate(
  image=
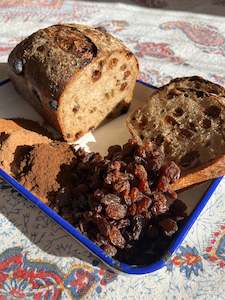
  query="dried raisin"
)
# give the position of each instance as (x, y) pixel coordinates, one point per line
(116, 211)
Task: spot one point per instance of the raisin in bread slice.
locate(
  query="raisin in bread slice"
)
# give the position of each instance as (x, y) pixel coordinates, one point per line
(76, 76)
(186, 118)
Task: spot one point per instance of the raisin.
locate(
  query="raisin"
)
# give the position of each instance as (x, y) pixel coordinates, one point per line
(41, 48)
(109, 199)
(134, 194)
(126, 75)
(199, 94)
(123, 67)
(123, 86)
(123, 223)
(159, 205)
(132, 209)
(178, 112)
(192, 126)
(171, 120)
(76, 107)
(144, 186)
(18, 66)
(122, 186)
(116, 238)
(206, 123)
(79, 134)
(213, 111)
(113, 62)
(116, 211)
(171, 171)
(53, 105)
(107, 95)
(143, 205)
(186, 133)
(173, 93)
(103, 226)
(143, 122)
(129, 55)
(159, 140)
(140, 172)
(168, 226)
(96, 75)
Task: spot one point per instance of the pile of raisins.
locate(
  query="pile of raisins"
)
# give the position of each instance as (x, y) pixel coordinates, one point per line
(124, 202)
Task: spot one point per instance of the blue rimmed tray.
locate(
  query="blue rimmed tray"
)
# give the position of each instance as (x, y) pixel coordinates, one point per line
(11, 105)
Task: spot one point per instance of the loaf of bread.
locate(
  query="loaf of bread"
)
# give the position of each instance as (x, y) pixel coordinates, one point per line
(186, 118)
(13, 136)
(74, 75)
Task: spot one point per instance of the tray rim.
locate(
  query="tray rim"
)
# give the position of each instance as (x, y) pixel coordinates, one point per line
(96, 250)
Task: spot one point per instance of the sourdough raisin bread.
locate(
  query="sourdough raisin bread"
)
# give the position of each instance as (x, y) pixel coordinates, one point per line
(74, 75)
(186, 118)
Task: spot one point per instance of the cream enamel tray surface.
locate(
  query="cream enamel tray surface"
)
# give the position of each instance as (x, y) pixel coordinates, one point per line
(114, 132)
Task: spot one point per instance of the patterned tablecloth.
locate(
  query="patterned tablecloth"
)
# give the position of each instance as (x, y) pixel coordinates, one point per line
(38, 260)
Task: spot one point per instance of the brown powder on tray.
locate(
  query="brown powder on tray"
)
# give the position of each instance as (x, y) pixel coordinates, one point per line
(44, 168)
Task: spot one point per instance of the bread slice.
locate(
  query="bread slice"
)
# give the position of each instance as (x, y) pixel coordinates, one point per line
(75, 76)
(10, 142)
(186, 118)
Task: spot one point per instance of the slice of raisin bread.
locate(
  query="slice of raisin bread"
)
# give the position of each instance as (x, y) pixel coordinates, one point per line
(75, 76)
(186, 118)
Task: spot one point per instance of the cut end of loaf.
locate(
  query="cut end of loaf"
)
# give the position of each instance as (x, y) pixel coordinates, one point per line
(186, 118)
(104, 91)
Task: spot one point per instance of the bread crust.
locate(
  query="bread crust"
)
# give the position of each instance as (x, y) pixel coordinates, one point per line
(210, 171)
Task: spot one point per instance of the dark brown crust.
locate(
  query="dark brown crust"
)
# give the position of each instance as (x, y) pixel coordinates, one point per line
(211, 85)
(52, 55)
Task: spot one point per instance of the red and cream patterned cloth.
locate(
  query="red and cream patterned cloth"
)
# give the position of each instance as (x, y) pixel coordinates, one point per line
(38, 260)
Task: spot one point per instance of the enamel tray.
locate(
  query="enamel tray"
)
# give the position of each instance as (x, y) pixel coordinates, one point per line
(114, 132)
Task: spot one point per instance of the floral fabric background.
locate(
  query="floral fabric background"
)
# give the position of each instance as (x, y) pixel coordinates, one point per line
(38, 260)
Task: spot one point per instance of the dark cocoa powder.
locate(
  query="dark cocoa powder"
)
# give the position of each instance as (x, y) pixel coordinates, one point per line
(44, 168)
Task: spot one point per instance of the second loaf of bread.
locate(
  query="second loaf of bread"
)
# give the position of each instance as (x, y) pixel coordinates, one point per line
(74, 75)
